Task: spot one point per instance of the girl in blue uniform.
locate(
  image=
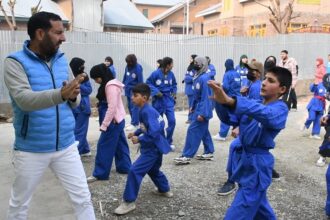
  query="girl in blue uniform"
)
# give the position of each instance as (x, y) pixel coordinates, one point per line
(83, 111)
(262, 123)
(163, 87)
(198, 129)
(153, 145)
(231, 84)
(211, 69)
(315, 109)
(188, 80)
(132, 76)
(112, 141)
(242, 70)
(108, 61)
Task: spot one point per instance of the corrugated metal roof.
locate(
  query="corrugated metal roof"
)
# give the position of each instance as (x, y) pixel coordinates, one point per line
(170, 11)
(211, 10)
(123, 13)
(158, 2)
(22, 8)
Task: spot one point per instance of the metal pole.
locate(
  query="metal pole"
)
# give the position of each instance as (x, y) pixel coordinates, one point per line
(187, 24)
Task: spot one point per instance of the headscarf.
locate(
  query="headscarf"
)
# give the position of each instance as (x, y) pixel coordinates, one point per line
(103, 72)
(229, 64)
(76, 63)
(202, 62)
(269, 63)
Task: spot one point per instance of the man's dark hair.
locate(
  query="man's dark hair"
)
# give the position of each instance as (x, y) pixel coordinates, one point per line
(167, 61)
(41, 20)
(143, 89)
(283, 76)
(109, 59)
(284, 51)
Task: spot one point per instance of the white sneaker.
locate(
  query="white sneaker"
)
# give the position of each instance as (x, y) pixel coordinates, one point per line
(205, 157)
(303, 127)
(168, 194)
(315, 136)
(320, 162)
(218, 138)
(182, 160)
(91, 179)
(131, 128)
(172, 147)
(124, 208)
(86, 154)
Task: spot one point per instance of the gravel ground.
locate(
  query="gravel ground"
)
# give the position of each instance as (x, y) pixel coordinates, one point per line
(300, 194)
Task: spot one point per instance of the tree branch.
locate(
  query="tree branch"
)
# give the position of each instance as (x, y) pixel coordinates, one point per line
(6, 17)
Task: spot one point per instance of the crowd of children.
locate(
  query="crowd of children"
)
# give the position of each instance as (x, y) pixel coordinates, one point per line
(253, 99)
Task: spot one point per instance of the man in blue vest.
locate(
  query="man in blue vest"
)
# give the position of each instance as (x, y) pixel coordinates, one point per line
(43, 91)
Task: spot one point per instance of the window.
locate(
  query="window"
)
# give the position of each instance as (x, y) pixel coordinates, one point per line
(326, 28)
(145, 12)
(257, 30)
(296, 26)
(212, 32)
(227, 5)
(309, 2)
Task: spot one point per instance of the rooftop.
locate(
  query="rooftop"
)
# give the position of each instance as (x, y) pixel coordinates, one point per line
(158, 2)
(211, 10)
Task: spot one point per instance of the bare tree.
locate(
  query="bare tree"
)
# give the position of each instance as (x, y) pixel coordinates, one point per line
(12, 22)
(36, 9)
(280, 20)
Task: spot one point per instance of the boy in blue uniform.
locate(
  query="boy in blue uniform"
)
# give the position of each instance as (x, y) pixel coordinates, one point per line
(188, 80)
(231, 84)
(83, 111)
(163, 91)
(198, 130)
(153, 146)
(262, 122)
(132, 76)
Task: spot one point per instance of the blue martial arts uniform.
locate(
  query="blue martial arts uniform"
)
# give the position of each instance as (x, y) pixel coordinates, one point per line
(231, 84)
(153, 146)
(243, 71)
(81, 114)
(316, 107)
(188, 79)
(259, 125)
(211, 71)
(199, 131)
(165, 84)
(112, 143)
(113, 71)
(133, 75)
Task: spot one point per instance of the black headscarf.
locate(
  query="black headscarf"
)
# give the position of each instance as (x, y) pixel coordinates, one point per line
(270, 62)
(103, 72)
(191, 65)
(77, 67)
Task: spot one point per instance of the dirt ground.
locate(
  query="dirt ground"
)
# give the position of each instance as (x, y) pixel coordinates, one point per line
(300, 194)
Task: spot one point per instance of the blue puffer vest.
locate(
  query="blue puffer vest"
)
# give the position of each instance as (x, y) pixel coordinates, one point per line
(44, 130)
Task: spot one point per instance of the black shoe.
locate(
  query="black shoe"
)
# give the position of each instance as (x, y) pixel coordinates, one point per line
(227, 188)
(275, 175)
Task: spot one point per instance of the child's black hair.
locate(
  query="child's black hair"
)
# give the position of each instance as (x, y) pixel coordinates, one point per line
(283, 76)
(143, 89)
(160, 62)
(167, 61)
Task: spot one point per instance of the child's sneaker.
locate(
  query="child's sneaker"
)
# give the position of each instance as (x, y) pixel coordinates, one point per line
(91, 179)
(320, 162)
(131, 128)
(217, 137)
(227, 188)
(315, 136)
(275, 175)
(167, 194)
(182, 160)
(86, 154)
(124, 208)
(172, 147)
(303, 127)
(205, 157)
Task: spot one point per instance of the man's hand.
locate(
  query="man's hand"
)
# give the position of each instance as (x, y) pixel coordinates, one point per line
(244, 90)
(130, 135)
(219, 94)
(135, 139)
(324, 121)
(71, 90)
